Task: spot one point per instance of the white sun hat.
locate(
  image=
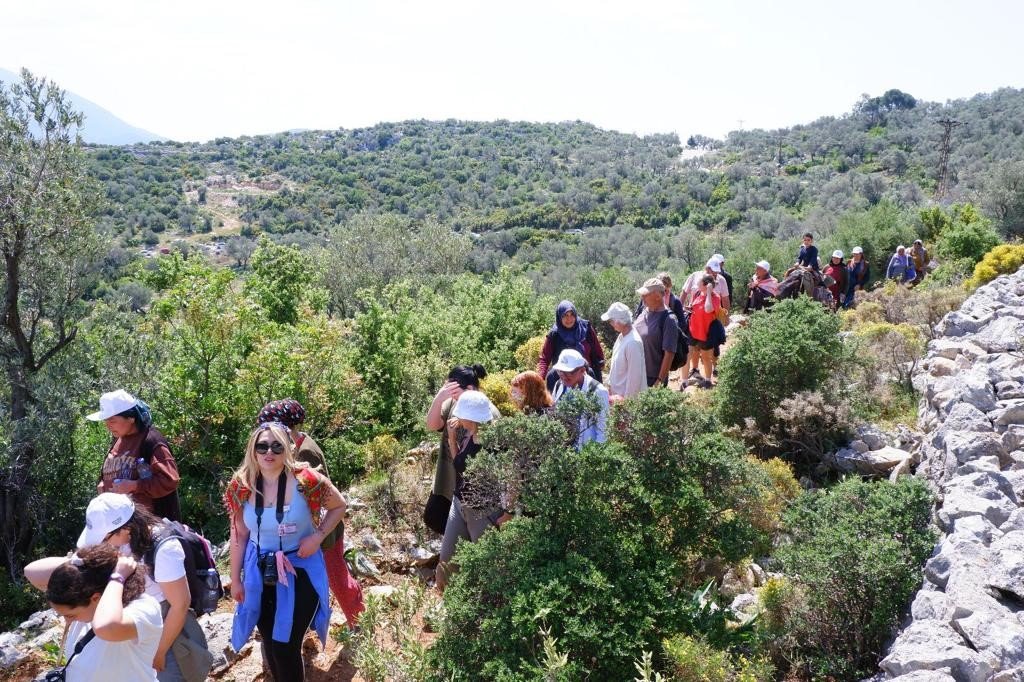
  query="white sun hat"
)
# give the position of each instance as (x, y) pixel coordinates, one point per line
(113, 403)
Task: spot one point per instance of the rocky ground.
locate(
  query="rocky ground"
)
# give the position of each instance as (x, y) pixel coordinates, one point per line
(967, 622)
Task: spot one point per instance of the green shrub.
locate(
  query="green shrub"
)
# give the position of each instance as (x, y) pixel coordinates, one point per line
(968, 242)
(855, 559)
(691, 659)
(796, 347)
(605, 549)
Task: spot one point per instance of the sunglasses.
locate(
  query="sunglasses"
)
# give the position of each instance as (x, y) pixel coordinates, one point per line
(265, 447)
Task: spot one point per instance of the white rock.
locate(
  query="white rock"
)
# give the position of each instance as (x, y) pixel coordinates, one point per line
(931, 605)
(859, 446)
(874, 462)
(1002, 637)
(987, 493)
(217, 628)
(1007, 564)
(976, 529)
(1013, 437)
(11, 639)
(932, 645)
(941, 367)
(979, 464)
(385, 592)
(942, 675)
(1001, 336)
(1009, 412)
(10, 656)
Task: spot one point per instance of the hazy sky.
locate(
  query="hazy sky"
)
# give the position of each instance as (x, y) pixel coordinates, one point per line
(197, 70)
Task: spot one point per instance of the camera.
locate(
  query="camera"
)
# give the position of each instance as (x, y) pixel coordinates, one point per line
(268, 569)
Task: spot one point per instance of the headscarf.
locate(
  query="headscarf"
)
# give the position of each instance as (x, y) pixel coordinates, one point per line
(145, 416)
(288, 411)
(574, 336)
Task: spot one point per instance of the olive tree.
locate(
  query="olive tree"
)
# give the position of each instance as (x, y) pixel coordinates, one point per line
(49, 253)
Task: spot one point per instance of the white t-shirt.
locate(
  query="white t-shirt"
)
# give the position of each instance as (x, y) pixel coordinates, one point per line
(628, 373)
(127, 661)
(169, 566)
(691, 287)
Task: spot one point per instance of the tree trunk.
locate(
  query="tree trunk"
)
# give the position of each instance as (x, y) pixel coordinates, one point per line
(15, 487)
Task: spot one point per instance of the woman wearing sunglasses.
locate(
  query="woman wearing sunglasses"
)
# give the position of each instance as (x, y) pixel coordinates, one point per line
(278, 574)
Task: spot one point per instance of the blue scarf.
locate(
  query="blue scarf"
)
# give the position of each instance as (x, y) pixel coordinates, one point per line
(572, 337)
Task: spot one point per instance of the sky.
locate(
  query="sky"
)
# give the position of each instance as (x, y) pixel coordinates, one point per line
(192, 70)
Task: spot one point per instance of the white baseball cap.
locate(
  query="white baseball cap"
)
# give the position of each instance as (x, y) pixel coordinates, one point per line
(113, 403)
(857, 249)
(106, 513)
(618, 312)
(474, 406)
(837, 254)
(765, 265)
(569, 360)
(718, 257)
(713, 265)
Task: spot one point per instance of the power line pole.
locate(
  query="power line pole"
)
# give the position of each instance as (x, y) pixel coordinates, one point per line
(948, 125)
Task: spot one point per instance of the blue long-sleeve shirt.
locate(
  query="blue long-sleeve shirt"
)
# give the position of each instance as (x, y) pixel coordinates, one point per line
(248, 612)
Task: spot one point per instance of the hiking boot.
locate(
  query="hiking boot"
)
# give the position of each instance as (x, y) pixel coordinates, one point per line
(694, 374)
(705, 383)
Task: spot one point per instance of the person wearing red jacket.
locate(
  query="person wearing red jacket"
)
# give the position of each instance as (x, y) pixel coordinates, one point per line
(570, 332)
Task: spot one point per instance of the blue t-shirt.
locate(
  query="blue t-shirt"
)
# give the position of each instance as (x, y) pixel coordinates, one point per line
(297, 523)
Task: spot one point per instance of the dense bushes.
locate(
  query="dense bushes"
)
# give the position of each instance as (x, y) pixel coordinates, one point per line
(854, 560)
(795, 348)
(606, 549)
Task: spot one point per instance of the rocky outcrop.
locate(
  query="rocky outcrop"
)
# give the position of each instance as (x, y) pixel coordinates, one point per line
(967, 622)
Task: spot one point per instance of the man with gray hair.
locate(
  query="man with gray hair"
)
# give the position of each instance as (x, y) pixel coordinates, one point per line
(628, 373)
(659, 331)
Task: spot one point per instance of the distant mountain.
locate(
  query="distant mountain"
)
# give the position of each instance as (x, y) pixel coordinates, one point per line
(101, 126)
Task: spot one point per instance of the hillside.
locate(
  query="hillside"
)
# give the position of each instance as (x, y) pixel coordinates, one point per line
(500, 176)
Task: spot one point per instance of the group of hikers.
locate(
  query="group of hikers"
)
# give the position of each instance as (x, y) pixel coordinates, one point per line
(131, 591)
(133, 587)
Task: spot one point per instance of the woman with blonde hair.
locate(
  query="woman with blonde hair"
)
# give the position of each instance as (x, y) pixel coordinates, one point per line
(278, 574)
(530, 393)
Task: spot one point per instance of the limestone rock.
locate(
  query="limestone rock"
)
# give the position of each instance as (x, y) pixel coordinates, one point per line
(967, 446)
(736, 581)
(942, 675)
(1003, 637)
(384, 592)
(873, 462)
(10, 656)
(217, 627)
(987, 493)
(931, 605)
(932, 645)
(872, 436)
(1007, 573)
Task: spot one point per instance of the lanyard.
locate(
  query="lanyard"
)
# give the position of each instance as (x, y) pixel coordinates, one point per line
(282, 481)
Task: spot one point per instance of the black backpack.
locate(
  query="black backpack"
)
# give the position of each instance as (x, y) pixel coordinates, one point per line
(682, 339)
(200, 568)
